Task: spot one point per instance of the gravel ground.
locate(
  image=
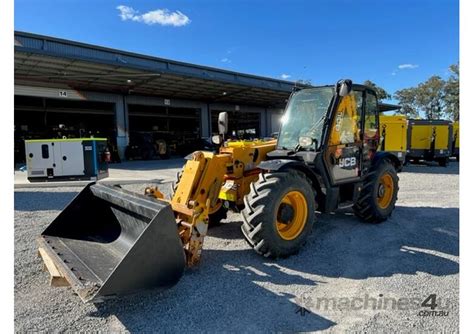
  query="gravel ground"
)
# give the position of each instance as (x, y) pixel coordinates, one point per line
(349, 277)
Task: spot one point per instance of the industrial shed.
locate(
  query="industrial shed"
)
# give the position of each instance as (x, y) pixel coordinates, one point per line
(95, 91)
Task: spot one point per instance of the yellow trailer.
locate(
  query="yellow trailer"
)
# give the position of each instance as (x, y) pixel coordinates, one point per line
(393, 132)
(455, 144)
(429, 140)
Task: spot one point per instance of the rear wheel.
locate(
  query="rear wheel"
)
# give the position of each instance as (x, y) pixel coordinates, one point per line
(379, 194)
(279, 213)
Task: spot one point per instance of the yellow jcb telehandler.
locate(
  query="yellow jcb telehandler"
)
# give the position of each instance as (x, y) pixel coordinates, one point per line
(109, 241)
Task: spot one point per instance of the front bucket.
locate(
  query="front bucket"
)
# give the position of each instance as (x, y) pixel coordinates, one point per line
(109, 241)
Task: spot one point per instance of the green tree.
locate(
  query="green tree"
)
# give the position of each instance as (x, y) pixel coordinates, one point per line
(435, 98)
(430, 97)
(451, 93)
(407, 100)
(381, 93)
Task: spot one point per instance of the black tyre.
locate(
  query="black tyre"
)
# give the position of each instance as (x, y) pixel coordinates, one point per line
(379, 194)
(216, 214)
(279, 213)
(399, 168)
(443, 162)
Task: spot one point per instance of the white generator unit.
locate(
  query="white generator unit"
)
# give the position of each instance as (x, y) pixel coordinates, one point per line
(66, 159)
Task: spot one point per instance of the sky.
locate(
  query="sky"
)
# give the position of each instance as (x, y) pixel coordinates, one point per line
(394, 43)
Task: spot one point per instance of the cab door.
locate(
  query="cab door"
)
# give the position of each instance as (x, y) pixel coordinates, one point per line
(371, 136)
(345, 144)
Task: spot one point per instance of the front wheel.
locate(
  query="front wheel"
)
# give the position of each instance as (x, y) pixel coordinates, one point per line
(379, 194)
(279, 213)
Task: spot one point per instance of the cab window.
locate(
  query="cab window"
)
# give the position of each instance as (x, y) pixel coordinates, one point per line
(370, 122)
(346, 125)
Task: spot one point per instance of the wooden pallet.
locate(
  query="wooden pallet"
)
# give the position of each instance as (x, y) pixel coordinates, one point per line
(56, 278)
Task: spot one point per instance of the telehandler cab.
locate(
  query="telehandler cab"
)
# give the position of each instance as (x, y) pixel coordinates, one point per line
(109, 241)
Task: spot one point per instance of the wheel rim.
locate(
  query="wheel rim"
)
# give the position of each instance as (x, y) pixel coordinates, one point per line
(292, 215)
(385, 191)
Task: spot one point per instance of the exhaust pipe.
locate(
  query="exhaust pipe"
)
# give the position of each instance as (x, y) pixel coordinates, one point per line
(109, 242)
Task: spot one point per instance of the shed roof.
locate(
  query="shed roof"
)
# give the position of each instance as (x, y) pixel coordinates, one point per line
(83, 66)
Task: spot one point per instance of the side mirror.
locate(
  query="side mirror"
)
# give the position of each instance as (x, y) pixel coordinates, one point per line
(223, 123)
(217, 139)
(344, 87)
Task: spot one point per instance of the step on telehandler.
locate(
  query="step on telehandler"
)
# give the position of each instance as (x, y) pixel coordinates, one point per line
(109, 241)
